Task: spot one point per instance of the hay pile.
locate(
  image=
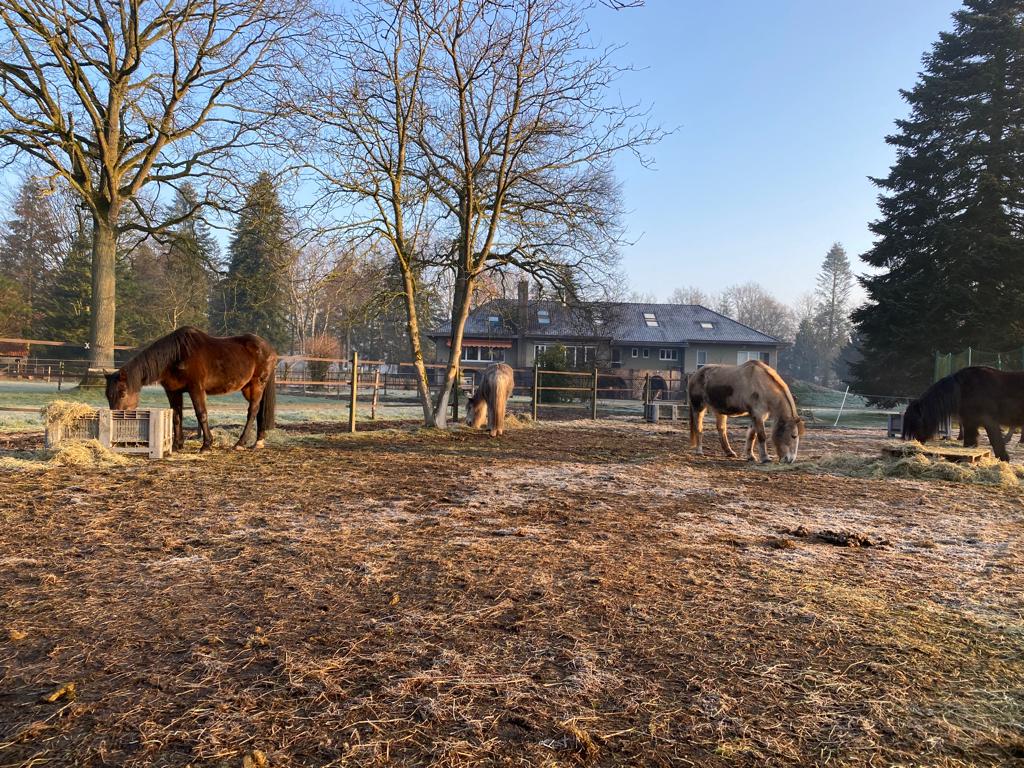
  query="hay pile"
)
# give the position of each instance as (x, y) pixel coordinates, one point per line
(65, 412)
(913, 467)
(73, 453)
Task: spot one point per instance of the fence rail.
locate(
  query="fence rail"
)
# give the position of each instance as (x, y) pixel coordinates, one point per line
(390, 391)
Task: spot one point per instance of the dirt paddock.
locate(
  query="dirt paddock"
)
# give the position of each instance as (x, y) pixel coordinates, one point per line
(570, 594)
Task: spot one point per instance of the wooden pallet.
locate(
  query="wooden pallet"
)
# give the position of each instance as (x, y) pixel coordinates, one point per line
(955, 453)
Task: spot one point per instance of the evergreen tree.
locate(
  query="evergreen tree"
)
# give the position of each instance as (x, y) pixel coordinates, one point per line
(832, 318)
(31, 246)
(69, 290)
(950, 242)
(253, 297)
(187, 267)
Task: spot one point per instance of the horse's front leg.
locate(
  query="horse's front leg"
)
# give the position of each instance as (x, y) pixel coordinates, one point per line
(254, 404)
(722, 425)
(762, 438)
(199, 403)
(177, 401)
(748, 451)
(995, 436)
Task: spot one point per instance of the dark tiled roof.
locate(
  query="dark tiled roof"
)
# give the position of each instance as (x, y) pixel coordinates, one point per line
(621, 323)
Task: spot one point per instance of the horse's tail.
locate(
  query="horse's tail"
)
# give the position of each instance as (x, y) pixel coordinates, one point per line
(268, 402)
(925, 415)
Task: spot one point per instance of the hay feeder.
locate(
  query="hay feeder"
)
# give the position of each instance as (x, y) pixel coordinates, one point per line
(141, 431)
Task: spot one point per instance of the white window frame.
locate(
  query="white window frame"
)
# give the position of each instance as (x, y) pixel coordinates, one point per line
(702, 358)
(707, 326)
(651, 319)
(647, 353)
(543, 317)
(635, 352)
(743, 356)
(668, 354)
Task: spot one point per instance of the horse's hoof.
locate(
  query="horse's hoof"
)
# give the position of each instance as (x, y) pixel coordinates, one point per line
(766, 461)
(206, 449)
(260, 444)
(239, 447)
(750, 458)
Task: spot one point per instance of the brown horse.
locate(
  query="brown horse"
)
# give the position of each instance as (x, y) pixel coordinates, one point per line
(753, 389)
(490, 399)
(188, 360)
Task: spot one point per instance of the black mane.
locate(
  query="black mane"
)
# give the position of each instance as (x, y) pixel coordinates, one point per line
(924, 416)
(150, 362)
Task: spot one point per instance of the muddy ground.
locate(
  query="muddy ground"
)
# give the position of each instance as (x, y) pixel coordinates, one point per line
(570, 594)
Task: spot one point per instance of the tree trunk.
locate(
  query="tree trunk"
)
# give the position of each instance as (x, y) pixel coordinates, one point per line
(413, 328)
(103, 307)
(460, 313)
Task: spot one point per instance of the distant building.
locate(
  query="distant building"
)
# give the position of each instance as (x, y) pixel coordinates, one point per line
(631, 337)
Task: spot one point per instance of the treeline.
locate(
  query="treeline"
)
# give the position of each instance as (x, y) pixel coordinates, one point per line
(314, 300)
(817, 332)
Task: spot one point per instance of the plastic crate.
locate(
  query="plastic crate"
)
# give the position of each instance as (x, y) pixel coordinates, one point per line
(146, 430)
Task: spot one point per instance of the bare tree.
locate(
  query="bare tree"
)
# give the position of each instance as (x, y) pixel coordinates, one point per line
(517, 139)
(472, 137)
(691, 295)
(112, 97)
(753, 306)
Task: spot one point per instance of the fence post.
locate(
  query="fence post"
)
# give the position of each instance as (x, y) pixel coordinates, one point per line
(593, 404)
(536, 388)
(968, 357)
(376, 386)
(60, 376)
(647, 389)
(354, 381)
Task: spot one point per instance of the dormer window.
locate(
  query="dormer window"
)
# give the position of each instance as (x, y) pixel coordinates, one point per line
(707, 326)
(543, 317)
(650, 320)
(493, 319)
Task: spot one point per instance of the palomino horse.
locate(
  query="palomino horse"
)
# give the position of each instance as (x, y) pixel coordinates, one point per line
(188, 360)
(980, 396)
(490, 398)
(753, 389)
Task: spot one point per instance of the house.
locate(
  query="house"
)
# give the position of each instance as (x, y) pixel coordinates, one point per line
(635, 338)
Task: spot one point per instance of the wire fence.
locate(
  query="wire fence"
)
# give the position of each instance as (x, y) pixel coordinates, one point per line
(949, 363)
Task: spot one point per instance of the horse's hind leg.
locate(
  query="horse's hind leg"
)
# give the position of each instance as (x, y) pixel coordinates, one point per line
(250, 392)
(995, 436)
(177, 401)
(762, 438)
(199, 403)
(721, 424)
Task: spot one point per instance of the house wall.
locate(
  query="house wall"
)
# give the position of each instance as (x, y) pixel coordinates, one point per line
(725, 354)
(652, 362)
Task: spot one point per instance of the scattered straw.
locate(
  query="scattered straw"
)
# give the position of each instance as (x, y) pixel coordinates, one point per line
(74, 453)
(914, 467)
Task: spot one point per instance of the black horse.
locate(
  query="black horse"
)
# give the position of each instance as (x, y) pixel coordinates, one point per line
(979, 396)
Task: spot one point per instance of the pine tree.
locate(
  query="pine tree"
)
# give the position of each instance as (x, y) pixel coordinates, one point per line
(950, 242)
(31, 246)
(188, 266)
(832, 318)
(69, 290)
(253, 297)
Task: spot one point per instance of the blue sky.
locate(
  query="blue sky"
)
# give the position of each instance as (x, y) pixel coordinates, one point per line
(782, 109)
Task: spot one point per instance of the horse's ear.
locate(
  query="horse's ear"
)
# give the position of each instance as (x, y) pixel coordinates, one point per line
(800, 427)
(122, 375)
